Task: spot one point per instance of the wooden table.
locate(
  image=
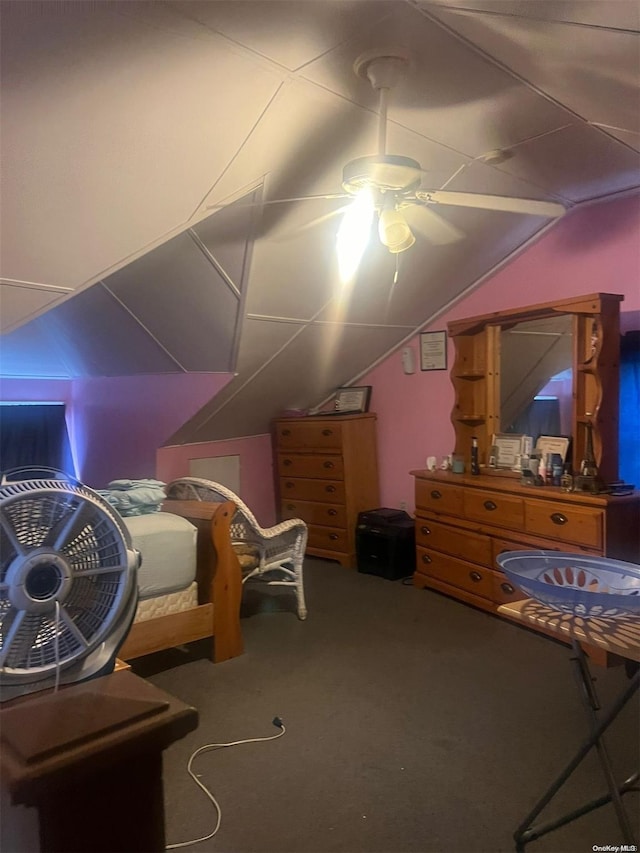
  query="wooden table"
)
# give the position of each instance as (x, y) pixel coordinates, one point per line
(88, 758)
(620, 636)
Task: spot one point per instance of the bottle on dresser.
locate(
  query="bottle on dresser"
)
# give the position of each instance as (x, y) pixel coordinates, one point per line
(475, 464)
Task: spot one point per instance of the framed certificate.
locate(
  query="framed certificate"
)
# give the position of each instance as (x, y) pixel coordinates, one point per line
(508, 447)
(553, 444)
(353, 399)
(433, 351)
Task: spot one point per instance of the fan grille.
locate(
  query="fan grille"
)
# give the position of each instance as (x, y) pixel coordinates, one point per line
(71, 522)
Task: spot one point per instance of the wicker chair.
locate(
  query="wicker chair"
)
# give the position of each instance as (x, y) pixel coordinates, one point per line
(260, 550)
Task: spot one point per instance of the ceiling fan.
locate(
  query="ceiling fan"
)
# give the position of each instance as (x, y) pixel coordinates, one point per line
(392, 182)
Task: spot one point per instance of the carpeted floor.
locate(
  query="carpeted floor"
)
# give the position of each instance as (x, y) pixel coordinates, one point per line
(414, 724)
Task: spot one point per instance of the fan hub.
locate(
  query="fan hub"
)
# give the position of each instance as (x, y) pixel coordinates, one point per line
(43, 582)
(383, 173)
(38, 580)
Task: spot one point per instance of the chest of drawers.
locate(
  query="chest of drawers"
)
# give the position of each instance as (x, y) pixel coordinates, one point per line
(327, 473)
(463, 523)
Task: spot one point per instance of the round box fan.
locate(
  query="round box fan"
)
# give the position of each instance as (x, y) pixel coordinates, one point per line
(68, 584)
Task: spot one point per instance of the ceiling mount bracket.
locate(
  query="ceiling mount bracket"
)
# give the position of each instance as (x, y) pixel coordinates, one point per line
(382, 67)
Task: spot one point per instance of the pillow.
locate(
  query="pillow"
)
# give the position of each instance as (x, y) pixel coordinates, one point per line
(134, 497)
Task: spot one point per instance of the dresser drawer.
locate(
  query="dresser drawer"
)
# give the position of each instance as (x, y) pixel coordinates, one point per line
(504, 591)
(328, 491)
(452, 540)
(322, 466)
(328, 538)
(315, 513)
(308, 435)
(565, 523)
(439, 497)
(455, 572)
(494, 508)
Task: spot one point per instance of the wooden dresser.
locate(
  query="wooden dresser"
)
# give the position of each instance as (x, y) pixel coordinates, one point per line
(327, 472)
(464, 522)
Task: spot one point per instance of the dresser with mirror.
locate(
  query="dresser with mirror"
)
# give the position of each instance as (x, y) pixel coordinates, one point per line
(503, 363)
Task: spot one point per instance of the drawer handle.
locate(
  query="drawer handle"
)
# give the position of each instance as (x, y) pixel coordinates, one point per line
(328, 464)
(332, 512)
(426, 558)
(490, 506)
(476, 577)
(287, 462)
(436, 495)
(291, 506)
(289, 485)
(506, 587)
(327, 432)
(424, 529)
(333, 536)
(559, 518)
(286, 432)
(330, 489)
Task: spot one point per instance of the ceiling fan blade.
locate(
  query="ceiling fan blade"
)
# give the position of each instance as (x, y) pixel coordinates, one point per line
(313, 223)
(492, 202)
(433, 227)
(276, 201)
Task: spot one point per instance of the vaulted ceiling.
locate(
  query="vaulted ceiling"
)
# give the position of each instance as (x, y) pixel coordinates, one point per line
(143, 144)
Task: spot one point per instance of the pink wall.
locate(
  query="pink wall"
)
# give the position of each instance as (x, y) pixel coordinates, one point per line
(256, 469)
(119, 422)
(594, 250)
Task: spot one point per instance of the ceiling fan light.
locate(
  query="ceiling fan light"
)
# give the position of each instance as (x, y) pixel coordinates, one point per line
(394, 232)
(353, 234)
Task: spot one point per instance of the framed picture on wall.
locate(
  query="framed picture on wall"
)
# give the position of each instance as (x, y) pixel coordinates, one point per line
(353, 399)
(433, 350)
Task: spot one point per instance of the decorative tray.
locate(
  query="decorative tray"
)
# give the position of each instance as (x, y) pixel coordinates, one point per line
(575, 583)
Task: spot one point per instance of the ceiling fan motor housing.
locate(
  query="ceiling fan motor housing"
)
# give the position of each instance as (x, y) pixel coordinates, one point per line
(382, 173)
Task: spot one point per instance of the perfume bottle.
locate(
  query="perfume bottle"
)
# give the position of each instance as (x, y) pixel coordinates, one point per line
(566, 481)
(475, 464)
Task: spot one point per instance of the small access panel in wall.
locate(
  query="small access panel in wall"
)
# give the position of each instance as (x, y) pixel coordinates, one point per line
(221, 469)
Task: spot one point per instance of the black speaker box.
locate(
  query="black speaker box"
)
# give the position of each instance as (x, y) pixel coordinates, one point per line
(386, 543)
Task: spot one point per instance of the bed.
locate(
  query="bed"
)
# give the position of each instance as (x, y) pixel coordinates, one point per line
(190, 581)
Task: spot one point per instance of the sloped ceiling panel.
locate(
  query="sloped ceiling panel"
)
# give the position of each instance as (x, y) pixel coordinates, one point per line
(20, 302)
(32, 352)
(283, 382)
(97, 336)
(175, 309)
(182, 301)
(114, 109)
(597, 81)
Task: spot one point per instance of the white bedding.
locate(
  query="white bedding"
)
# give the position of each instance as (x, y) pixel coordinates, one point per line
(167, 544)
(166, 605)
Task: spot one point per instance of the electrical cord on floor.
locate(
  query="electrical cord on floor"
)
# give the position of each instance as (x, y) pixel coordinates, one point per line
(276, 722)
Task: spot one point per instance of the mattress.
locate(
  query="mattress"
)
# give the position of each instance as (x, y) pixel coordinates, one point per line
(164, 605)
(167, 544)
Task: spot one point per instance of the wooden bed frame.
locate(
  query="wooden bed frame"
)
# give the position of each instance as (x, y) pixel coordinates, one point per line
(219, 579)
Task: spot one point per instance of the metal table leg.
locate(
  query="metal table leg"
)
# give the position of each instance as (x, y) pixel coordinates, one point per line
(527, 831)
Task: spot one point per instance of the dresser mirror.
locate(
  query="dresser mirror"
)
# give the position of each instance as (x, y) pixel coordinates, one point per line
(536, 376)
(567, 351)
